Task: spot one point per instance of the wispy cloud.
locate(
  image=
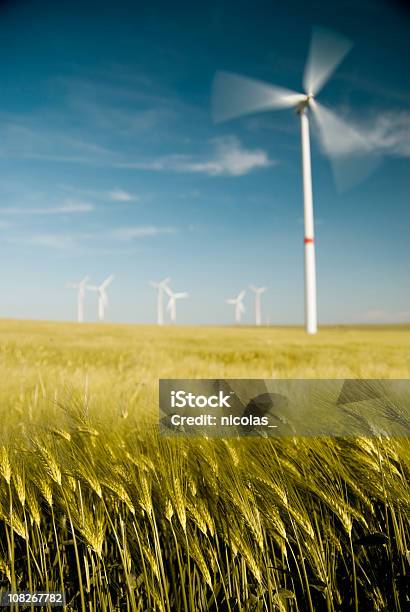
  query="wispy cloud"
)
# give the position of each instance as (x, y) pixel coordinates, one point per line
(35, 138)
(114, 195)
(91, 242)
(59, 242)
(119, 195)
(42, 138)
(374, 87)
(391, 133)
(228, 158)
(67, 208)
(118, 105)
(141, 231)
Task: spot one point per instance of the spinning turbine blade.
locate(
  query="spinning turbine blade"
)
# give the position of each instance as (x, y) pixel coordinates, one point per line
(350, 153)
(327, 50)
(338, 137)
(234, 96)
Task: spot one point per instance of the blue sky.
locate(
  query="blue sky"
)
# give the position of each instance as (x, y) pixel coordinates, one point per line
(110, 161)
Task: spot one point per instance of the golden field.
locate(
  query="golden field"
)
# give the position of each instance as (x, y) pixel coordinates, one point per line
(95, 504)
(124, 362)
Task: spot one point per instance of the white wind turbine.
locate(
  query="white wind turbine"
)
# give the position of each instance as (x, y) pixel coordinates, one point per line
(160, 287)
(239, 307)
(102, 295)
(80, 297)
(234, 96)
(258, 292)
(172, 302)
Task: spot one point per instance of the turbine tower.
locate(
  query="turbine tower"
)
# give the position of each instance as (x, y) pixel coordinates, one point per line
(80, 297)
(239, 307)
(258, 292)
(160, 287)
(234, 96)
(102, 295)
(172, 302)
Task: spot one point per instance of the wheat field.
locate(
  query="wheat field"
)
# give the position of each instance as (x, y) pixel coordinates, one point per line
(95, 504)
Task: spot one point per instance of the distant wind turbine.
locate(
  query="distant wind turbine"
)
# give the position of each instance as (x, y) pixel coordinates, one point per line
(102, 295)
(80, 296)
(160, 287)
(239, 307)
(172, 302)
(258, 292)
(235, 96)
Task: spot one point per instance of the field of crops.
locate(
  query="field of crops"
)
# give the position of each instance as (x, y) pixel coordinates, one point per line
(95, 504)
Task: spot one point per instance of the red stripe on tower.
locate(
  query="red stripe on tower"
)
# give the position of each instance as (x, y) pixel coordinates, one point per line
(309, 240)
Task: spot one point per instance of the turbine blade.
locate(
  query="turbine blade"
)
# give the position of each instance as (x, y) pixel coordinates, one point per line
(178, 296)
(234, 96)
(350, 152)
(337, 137)
(327, 50)
(107, 281)
(241, 296)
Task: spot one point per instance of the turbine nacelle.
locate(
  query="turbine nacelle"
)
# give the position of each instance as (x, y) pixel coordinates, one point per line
(172, 301)
(160, 284)
(102, 295)
(305, 104)
(239, 306)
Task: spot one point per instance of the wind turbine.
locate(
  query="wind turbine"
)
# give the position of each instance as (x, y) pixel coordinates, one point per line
(239, 307)
(102, 295)
(234, 96)
(172, 302)
(80, 297)
(258, 292)
(160, 287)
